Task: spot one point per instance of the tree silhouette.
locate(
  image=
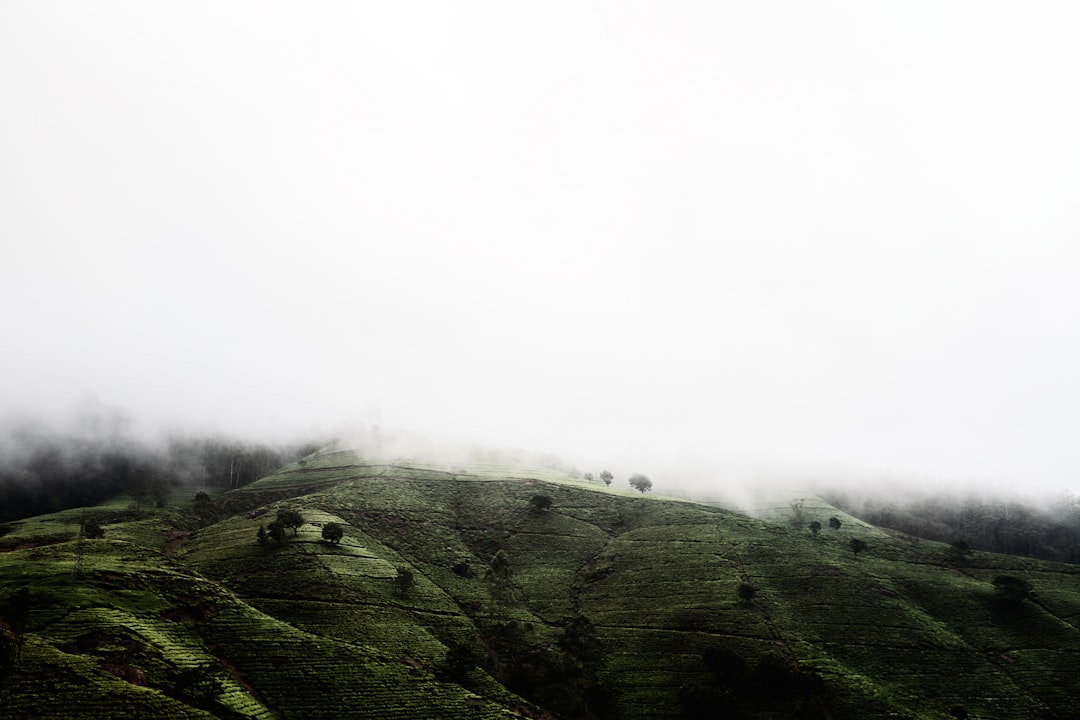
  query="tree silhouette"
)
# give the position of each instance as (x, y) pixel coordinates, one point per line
(640, 483)
(857, 546)
(333, 532)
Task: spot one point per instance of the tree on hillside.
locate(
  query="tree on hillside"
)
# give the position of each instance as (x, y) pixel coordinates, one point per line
(797, 518)
(290, 519)
(815, 527)
(262, 536)
(404, 579)
(276, 530)
(540, 503)
(333, 532)
(746, 593)
(92, 530)
(959, 550)
(834, 523)
(500, 578)
(206, 510)
(857, 546)
(640, 483)
(1012, 589)
(606, 477)
(589, 477)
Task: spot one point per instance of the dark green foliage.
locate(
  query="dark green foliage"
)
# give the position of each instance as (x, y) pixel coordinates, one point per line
(606, 477)
(263, 537)
(540, 503)
(857, 546)
(746, 593)
(290, 519)
(640, 483)
(500, 582)
(1048, 531)
(959, 551)
(834, 523)
(10, 650)
(276, 530)
(461, 660)
(333, 532)
(708, 701)
(206, 510)
(47, 470)
(589, 477)
(92, 530)
(1012, 589)
(404, 580)
(200, 685)
(815, 527)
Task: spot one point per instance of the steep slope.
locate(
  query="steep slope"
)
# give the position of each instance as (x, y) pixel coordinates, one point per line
(451, 587)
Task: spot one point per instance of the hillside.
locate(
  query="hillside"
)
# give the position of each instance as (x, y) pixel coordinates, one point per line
(452, 594)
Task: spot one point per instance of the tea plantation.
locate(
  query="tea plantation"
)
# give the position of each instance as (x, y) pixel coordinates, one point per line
(454, 592)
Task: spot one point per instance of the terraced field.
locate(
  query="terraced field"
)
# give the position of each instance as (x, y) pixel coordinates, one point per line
(451, 594)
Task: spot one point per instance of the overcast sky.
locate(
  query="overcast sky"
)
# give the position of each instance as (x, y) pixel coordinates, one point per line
(771, 234)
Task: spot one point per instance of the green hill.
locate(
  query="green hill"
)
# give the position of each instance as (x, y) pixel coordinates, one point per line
(454, 594)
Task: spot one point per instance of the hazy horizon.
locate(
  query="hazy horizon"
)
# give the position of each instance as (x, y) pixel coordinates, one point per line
(747, 241)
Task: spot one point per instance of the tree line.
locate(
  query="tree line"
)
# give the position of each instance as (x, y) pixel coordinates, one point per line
(1009, 526)
(44, 470)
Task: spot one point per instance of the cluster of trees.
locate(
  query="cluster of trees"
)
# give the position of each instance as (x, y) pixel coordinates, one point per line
(1011, 526)
(275, 531)
(605, 477)
(45, 470)
(637, 481)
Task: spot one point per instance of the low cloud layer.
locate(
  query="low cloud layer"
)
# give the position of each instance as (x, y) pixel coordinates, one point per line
(744, 241)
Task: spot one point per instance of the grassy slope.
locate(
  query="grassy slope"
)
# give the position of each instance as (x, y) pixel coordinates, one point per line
(318, 630)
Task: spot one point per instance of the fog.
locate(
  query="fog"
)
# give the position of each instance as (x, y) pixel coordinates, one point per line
(720, 244)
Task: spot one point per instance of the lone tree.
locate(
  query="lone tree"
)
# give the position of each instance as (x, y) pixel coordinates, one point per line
(290, 519)
(540, 503)
(857, 546)
(606, 477)
(588, 476)
(834, 522)
(262, 536)
(404, 579)
(959, 550)
(92, 530)
(640, 483)
(746, 593)
(333, 532)
(815, 527)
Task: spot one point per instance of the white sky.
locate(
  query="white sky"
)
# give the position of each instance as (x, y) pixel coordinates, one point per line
(774, 234)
